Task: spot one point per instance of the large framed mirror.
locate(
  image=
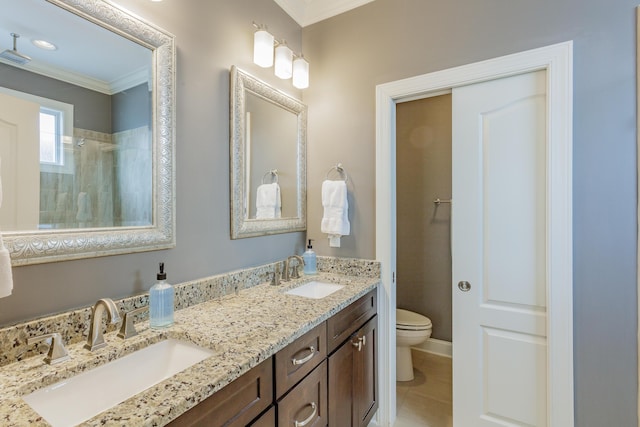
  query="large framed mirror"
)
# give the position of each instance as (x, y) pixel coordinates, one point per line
(87, 130)
(268, 146)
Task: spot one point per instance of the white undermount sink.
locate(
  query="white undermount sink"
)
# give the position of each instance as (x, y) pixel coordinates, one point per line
(83, 396)
(315, 290)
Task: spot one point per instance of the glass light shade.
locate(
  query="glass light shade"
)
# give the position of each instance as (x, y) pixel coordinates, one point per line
(263, 48)
(300, 73)
(284, 60)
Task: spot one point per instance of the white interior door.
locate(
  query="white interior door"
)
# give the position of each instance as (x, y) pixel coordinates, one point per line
(499, 240)
(20, 168)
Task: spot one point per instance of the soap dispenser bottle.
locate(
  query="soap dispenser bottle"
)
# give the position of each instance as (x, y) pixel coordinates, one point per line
(161, 302)
(309, 258)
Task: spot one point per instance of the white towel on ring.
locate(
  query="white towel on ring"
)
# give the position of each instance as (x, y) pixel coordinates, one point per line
(6, 275)
(335, 220)
(268, 203)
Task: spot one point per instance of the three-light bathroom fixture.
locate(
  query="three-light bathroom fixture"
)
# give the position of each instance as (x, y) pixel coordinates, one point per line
(287, 64)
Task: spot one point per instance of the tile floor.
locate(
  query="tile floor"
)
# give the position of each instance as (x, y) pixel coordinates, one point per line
(426, 401)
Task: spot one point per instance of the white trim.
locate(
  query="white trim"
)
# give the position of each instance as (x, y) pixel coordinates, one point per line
(557, 60)
(638, 190)
(436, 346)
(123, 83)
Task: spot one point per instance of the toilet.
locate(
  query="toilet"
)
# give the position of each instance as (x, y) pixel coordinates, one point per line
(411, 329)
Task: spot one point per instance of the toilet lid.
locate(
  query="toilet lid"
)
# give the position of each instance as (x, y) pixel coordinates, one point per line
(409, 320)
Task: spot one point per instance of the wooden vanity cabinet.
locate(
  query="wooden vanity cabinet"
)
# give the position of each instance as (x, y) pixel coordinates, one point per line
(268, 419)
(353, 366)
(300, 385)
(235, 405)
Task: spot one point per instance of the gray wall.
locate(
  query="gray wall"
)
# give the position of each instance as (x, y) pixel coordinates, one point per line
(131, 108)
(423, 173)
(210, 37)
(387, 40)
(92, 109)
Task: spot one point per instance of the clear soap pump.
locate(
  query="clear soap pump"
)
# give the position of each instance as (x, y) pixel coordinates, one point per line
(309, 257)
(161, 302)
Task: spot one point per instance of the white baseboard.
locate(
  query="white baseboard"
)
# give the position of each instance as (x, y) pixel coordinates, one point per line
(435, 346)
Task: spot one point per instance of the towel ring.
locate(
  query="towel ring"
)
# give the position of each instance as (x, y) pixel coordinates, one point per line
(273, 173)
(343, 173)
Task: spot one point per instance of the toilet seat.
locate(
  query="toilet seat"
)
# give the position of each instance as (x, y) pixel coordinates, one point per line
(409, 321)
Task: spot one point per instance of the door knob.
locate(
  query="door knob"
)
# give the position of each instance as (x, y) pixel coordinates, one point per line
(464, 286)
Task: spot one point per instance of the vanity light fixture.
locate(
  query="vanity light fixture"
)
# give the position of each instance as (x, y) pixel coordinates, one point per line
(300, 73)
(263, 47)
(287, 63)
(284, 61)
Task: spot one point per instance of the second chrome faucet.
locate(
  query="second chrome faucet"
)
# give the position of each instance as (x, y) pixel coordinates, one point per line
(95, 340)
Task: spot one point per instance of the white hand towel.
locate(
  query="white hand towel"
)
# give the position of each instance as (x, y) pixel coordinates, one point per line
(268, 203)
(335, 220)
(6, 275)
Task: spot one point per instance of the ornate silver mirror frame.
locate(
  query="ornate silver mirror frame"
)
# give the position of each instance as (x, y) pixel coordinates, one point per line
(241, 226)
(33, 247)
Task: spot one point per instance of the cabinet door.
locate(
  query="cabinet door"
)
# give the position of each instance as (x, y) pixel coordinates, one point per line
(353, 379)
(306, 404)
(341, 384)
(365, 375)
(237, 404)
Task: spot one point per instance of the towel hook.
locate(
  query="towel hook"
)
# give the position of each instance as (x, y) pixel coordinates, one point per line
(273, 173)
(437, 201)
(338, 167)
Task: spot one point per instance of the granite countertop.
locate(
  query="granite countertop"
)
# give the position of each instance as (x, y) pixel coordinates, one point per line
(243, 329)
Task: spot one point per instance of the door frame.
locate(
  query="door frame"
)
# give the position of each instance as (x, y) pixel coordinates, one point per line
(557, 60)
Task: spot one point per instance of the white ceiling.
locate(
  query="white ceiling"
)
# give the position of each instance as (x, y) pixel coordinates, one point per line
(307, 12)
(88, 55)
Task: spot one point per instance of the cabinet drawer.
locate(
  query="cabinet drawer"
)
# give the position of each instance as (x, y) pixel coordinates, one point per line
(299, 358)
(349, 320)
(237, 403)
(306, 404)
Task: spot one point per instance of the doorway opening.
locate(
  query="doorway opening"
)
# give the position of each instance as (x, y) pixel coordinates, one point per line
(556, 60)
(424, 270)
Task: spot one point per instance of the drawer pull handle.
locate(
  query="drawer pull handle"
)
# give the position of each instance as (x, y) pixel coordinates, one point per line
(311, 417)
(357, 344)
(364, 340)
(306, 358)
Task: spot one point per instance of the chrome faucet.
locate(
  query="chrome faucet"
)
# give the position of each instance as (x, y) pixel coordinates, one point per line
(95, 340)
(296, 274)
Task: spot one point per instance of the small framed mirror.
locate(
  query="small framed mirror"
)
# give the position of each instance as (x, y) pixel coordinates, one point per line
(91, 170)
(268, 145)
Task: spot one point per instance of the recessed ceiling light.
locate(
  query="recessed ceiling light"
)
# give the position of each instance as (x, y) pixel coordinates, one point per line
(43, 44)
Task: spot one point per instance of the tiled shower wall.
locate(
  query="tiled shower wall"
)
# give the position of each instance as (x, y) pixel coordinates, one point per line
(106, 182)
